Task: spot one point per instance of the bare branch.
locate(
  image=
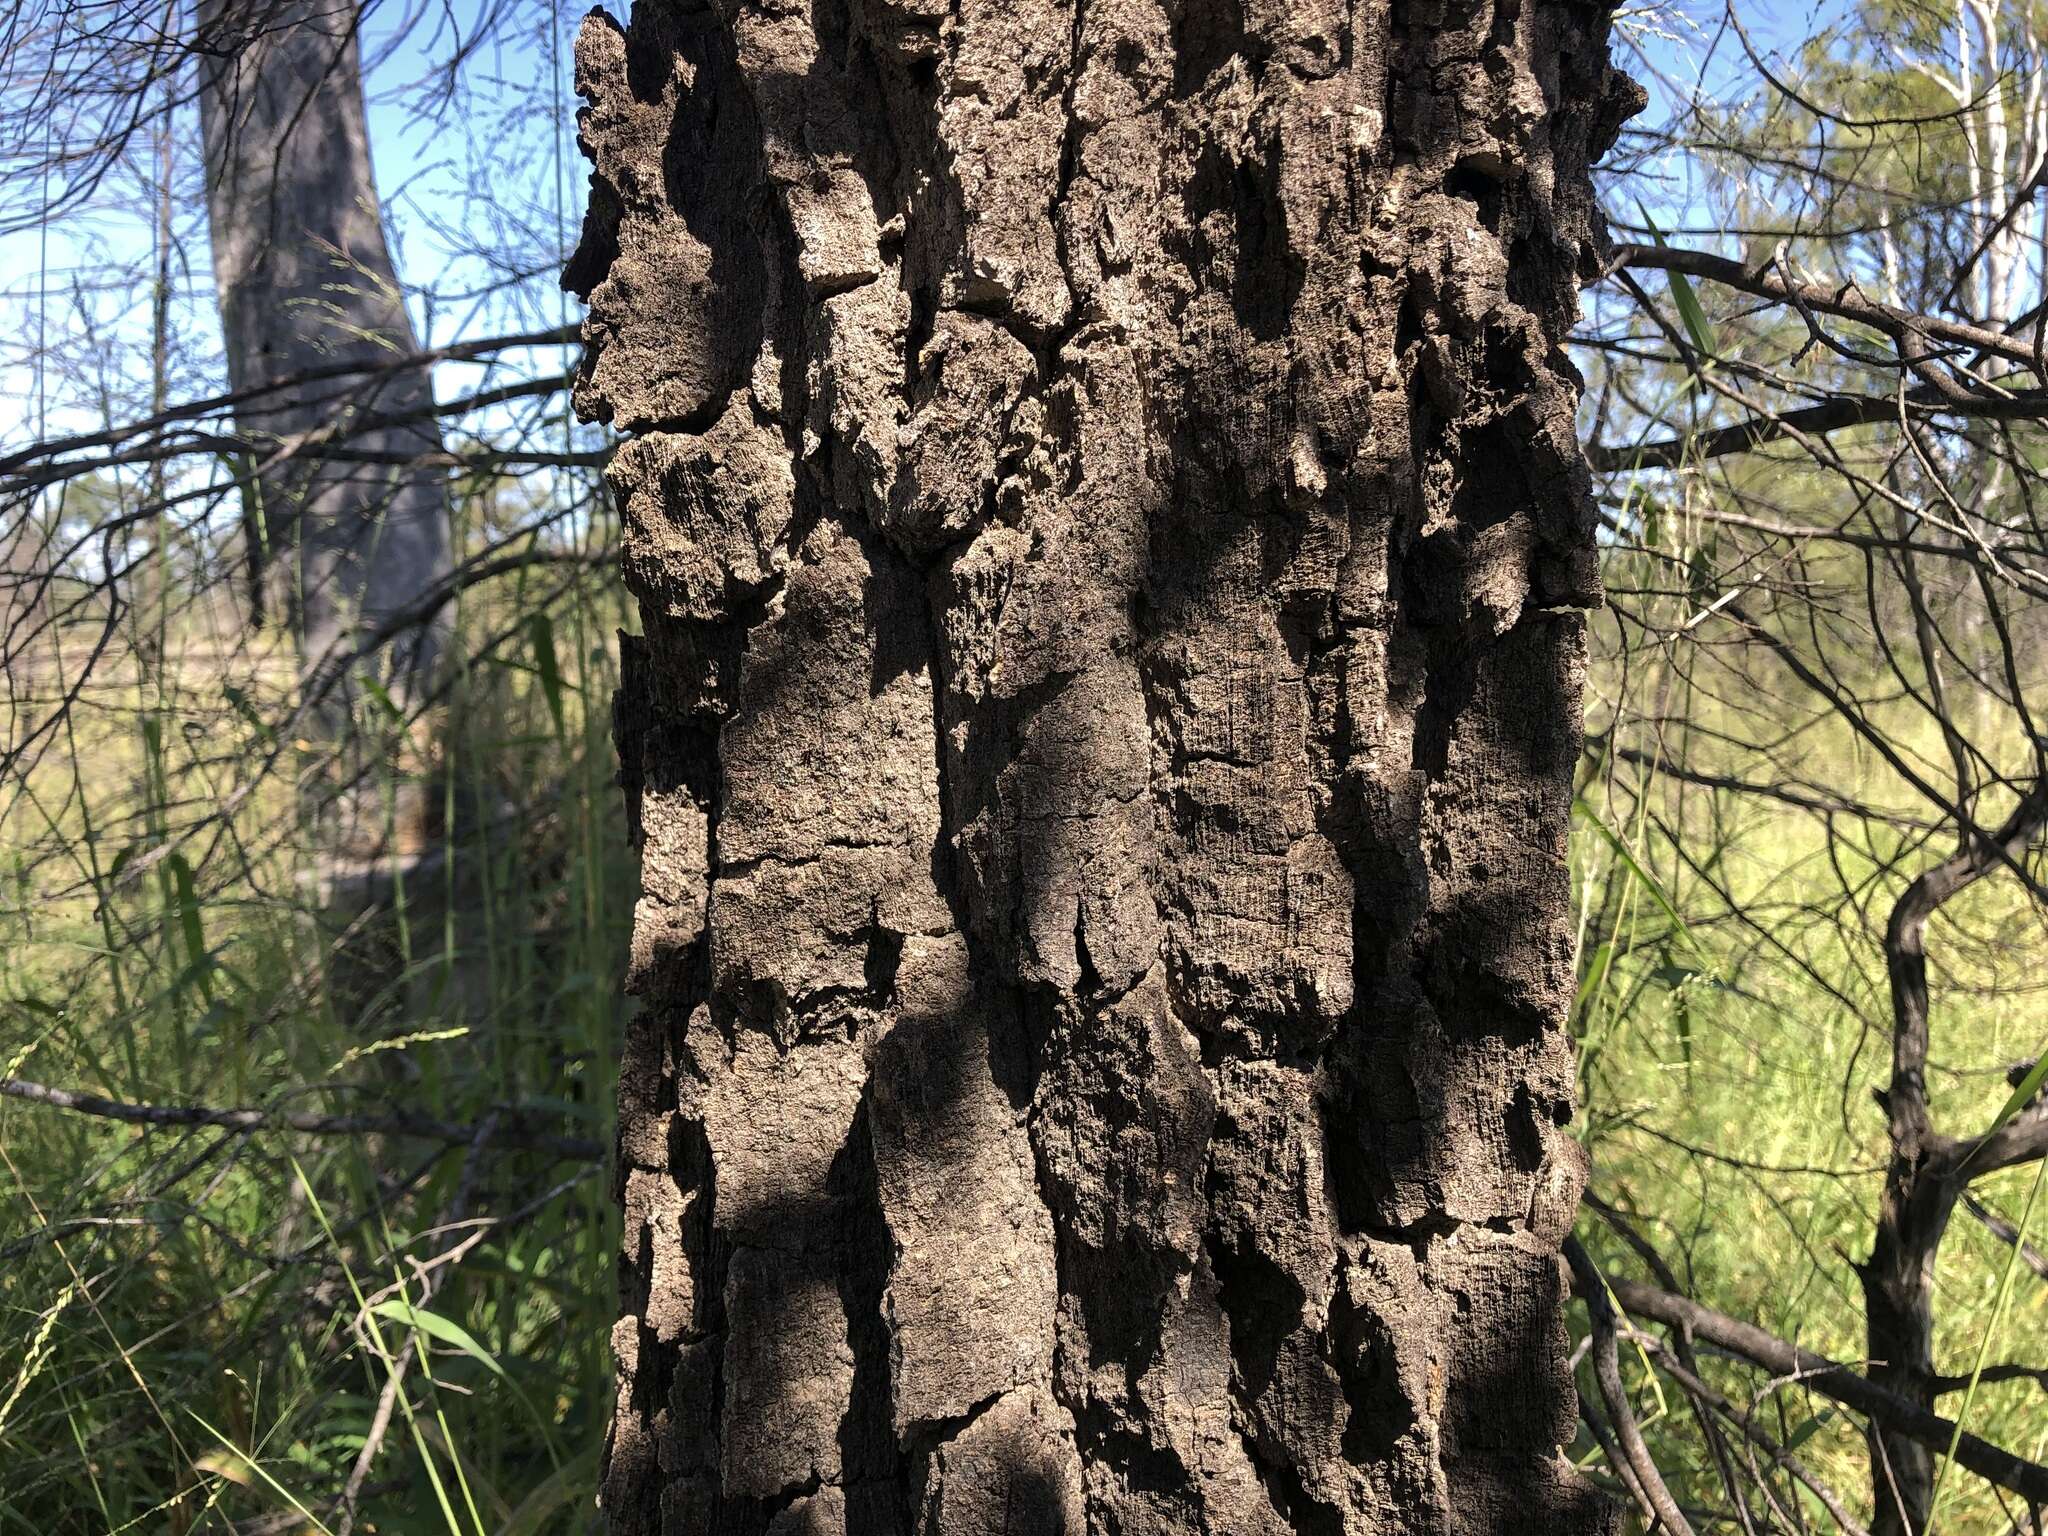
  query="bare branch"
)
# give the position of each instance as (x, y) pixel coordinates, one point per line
(1831, 1379)
(1648, 1482)
(509, 1132)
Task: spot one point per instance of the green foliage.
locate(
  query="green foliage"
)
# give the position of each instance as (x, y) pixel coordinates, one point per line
(1697, 327)
(197, 1324)
(1733, 1016)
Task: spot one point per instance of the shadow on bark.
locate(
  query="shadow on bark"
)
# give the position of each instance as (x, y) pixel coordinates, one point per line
(1102, 808)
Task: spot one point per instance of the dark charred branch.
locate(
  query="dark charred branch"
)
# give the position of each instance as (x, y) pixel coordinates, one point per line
(1898, 1415)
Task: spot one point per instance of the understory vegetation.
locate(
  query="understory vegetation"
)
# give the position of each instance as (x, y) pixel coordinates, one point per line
(213, 1321)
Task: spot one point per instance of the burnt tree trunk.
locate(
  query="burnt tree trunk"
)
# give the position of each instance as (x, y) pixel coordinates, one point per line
(348, 530)
(1912, 1217)
(1106, 511)
(1927, 1173)
(1898, 1303)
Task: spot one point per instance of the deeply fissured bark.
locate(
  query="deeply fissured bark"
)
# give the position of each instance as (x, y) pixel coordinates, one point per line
(1106, 511)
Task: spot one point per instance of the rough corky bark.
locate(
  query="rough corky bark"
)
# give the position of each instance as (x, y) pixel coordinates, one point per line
(1106, 511)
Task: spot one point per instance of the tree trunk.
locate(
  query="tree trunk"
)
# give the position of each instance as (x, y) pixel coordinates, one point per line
(1898, 1306)
(1107, 517)
(25, 602)
(1912, 1216)
(347, 541)
(1924, 1177)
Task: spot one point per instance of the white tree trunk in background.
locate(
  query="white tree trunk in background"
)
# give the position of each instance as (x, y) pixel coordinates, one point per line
(349, 540)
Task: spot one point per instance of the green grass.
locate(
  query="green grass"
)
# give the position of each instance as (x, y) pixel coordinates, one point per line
(1728, 1070)
(197, 1325)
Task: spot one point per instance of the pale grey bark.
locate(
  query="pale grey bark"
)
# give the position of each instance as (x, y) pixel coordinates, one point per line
(348, 541)
(1106, 511)
(24, 591)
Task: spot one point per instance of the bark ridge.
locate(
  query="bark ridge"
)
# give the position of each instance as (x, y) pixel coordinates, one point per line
(1111, 533)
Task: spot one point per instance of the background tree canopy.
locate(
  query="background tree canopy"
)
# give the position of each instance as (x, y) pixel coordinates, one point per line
(311, 950)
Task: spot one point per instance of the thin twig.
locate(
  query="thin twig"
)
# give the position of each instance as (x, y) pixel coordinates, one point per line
(1649, 1483)
(507, 1133)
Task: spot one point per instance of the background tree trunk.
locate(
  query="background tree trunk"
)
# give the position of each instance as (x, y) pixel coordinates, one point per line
(1920, 1193)
(24, 597)
(1110, 529)
(345, 541)
(1898, 1301)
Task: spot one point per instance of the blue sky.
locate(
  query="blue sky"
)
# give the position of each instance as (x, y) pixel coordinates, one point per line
(511, 129)
(509, 132)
